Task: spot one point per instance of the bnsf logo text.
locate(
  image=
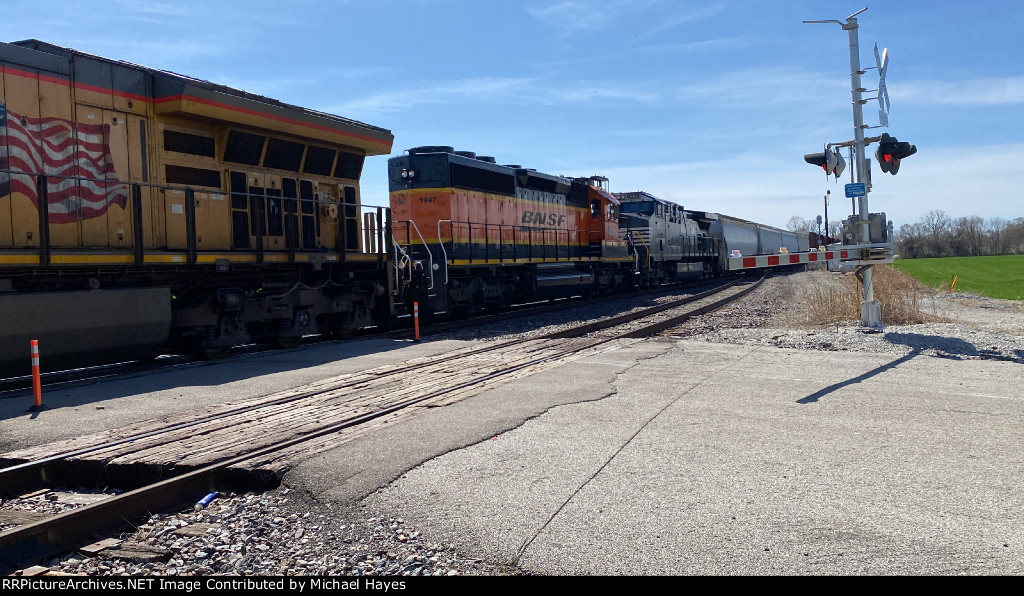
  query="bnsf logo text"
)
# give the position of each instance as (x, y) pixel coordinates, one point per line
(538, 218)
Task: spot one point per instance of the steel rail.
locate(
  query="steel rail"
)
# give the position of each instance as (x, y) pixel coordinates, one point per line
(26, 476)
(12, 386)
(46, 537)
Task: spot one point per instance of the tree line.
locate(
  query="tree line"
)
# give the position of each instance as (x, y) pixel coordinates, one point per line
(939, 235)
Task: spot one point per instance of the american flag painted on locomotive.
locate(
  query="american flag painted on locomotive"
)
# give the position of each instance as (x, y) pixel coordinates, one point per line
(84, 183)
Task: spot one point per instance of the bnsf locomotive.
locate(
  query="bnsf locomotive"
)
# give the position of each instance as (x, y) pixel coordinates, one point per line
(142, 211)
(471, 234)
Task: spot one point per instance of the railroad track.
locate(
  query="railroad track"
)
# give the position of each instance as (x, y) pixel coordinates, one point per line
(18, 386)
(168, 464)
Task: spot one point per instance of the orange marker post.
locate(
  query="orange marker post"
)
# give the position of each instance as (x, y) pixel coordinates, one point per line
(416, 320)
(37, 386)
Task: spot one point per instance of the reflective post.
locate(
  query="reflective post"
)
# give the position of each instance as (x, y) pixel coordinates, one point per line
(37, 386)
(416, 320)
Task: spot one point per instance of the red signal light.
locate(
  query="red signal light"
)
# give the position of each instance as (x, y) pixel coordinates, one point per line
(828, 160)
(891, 151)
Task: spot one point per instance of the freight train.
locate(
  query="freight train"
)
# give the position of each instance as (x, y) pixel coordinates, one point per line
(145, 212)
(473, 235)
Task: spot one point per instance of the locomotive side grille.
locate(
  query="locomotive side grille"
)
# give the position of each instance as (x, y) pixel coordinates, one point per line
(192, 176)
(480, 179)
(181, 142)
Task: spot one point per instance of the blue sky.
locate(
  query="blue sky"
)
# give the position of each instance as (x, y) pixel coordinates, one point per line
(709, 104)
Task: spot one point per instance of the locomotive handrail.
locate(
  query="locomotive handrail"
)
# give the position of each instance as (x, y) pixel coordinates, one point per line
(172, 187)
(646, 248)
(583, 239)
(430, 255)
(635, 253)
(444, 250)
(399, 263)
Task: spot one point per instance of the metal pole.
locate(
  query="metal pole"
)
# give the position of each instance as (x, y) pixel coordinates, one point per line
(853, 171)
(870, 310)
(827, 193)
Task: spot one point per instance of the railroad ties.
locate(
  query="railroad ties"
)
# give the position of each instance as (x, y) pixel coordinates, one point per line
(321, 415)
(250, 444)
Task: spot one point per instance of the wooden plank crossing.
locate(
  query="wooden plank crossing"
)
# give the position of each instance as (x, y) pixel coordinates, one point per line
(276, 420)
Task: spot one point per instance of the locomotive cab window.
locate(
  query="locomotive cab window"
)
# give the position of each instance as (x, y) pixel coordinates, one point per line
(595, 208)
(638, 207)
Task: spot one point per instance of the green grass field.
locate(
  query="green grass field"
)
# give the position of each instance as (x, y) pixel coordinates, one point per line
(997, 277)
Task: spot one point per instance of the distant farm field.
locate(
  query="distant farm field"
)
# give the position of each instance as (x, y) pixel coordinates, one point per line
(997, 277)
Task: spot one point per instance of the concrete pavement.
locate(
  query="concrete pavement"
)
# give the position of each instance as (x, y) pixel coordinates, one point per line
(699, 458)
(659, 457)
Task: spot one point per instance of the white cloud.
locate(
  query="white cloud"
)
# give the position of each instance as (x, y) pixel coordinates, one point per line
(755, 88)
(141, 8)
(981, 92)
(492, 90)
(683, 18)
(699, 46)
(737, 90)
(569, 16)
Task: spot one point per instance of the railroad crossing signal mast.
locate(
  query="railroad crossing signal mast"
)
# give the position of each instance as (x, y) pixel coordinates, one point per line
(874, 245)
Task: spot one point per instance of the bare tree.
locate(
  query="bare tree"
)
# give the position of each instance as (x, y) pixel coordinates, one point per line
(994, 231)
(1015, 237)
(937, 223)
(911, 242)
(835, 229)
(966, 236)
(799, 224)
(938, 235)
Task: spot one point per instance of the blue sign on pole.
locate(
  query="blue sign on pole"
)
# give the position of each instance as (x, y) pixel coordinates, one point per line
(855, 190)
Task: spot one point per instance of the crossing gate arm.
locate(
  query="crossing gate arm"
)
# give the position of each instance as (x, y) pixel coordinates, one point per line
(867, 254)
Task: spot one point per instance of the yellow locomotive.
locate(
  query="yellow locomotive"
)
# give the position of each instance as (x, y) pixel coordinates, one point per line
(141, 210)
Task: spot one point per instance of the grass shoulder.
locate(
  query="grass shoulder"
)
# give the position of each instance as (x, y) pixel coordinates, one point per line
(999, 276)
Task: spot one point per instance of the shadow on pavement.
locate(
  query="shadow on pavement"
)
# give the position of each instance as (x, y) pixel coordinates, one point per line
(945, 347)
(814, 397)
